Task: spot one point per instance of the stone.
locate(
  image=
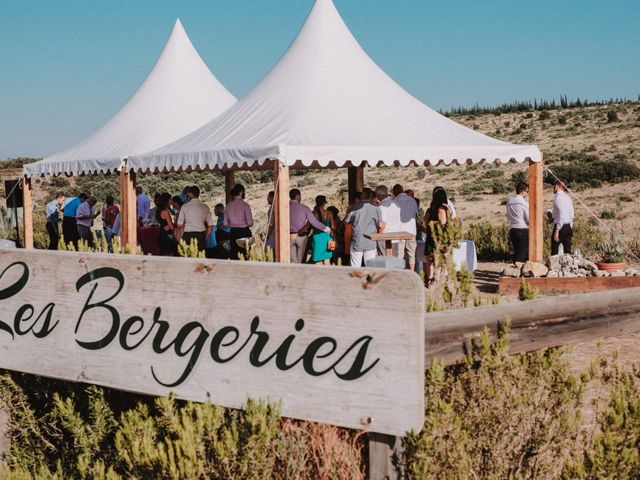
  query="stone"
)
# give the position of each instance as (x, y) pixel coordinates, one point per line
(600, 274)
(534, 269)
(632, 272)
(511, 271)
(553, 274)
(587, 265)
(520, 264)
(618, 273)
(570, 275)
(583, 273)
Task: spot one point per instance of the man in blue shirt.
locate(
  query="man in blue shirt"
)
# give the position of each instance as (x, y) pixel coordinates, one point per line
(69, 223)
(53, 219)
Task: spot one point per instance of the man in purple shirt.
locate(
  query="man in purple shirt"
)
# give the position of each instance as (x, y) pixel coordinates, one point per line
(300, 217)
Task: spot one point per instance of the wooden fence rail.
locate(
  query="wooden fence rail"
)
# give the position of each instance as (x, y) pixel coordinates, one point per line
(535, 325)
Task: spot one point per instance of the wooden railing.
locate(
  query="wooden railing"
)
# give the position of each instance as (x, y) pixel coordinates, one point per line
(535, 325)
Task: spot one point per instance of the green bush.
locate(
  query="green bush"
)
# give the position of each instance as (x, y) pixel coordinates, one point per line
(582, 170)
(62, 430)
(496, 416)
(492, 241)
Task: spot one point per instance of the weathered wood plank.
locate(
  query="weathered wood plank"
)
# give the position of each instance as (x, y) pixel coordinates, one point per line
(384, 452)
(5, 441)
(511, 286)
(536, 324)
(391, 236)
(321, 340)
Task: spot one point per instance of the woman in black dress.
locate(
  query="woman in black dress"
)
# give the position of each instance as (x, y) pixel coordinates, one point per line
(437, 213)
(166, 238)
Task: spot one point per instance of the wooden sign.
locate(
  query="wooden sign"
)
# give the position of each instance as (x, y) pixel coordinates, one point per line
(333, 345)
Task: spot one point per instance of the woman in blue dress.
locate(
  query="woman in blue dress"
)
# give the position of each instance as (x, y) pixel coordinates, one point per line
(320, 252)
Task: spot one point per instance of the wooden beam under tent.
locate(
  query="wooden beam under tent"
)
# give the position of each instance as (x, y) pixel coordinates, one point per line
(229, 183)
(281, 212)
(128, 211)
(536, 211)
(27, 212)
(355, 181)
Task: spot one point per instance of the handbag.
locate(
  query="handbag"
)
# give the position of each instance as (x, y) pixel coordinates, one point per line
(331, 245)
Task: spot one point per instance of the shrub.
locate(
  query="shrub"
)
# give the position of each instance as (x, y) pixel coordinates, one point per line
(608, 214)
(492, 241)
(64, 430)
(544, 115)
(496, 416)
(581, 170)
(562, 120)
(613, 452)
(612, 116)
(527, 292)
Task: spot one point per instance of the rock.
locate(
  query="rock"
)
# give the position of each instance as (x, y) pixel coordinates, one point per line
(618, 273)
(534, 269)
(570, 275)
(554, 263)
(632, 272)
(520, 264)
(583, 273)
(511, 271)
(553, 274)
(600, 274)
(587, 265)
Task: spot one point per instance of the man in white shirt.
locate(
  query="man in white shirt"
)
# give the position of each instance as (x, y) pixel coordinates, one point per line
(408, 213)
(143, 204)
(518, 215)
(196, 220)
(562, 214)
(390, 212)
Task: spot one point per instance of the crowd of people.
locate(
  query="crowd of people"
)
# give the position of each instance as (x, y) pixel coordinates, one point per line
(317, 235)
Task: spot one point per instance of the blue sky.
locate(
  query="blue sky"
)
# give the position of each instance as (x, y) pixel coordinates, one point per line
(67, 66)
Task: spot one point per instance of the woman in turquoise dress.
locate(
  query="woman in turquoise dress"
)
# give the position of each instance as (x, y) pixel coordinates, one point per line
(320, 252)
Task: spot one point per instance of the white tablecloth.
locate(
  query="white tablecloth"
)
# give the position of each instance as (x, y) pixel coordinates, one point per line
(465, 255)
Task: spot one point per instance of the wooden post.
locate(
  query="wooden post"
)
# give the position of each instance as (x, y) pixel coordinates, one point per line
(5, 439)
(281, 211)
(27, 212)
(384, 451)
(229, 183)
(128, 210)
(355, 181)
(536, 211)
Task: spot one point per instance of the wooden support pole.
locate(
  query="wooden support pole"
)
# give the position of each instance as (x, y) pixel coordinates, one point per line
(27, 212)
(281, 211)
(384, 451)
(128, 210)
(229, 183)
(536, 211)
(355, 181)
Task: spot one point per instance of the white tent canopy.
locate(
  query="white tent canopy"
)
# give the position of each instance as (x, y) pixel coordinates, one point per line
(327, 103)
(179, 95)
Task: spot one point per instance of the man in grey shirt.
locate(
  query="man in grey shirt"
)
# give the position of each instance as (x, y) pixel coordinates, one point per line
(365, 219)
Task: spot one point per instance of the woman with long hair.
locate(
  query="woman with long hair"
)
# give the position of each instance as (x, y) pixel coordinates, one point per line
(166, 237)
(320, 253)
(437, 214)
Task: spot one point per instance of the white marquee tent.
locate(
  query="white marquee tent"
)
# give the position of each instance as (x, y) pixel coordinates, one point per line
(179, 95)
(327, 103)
